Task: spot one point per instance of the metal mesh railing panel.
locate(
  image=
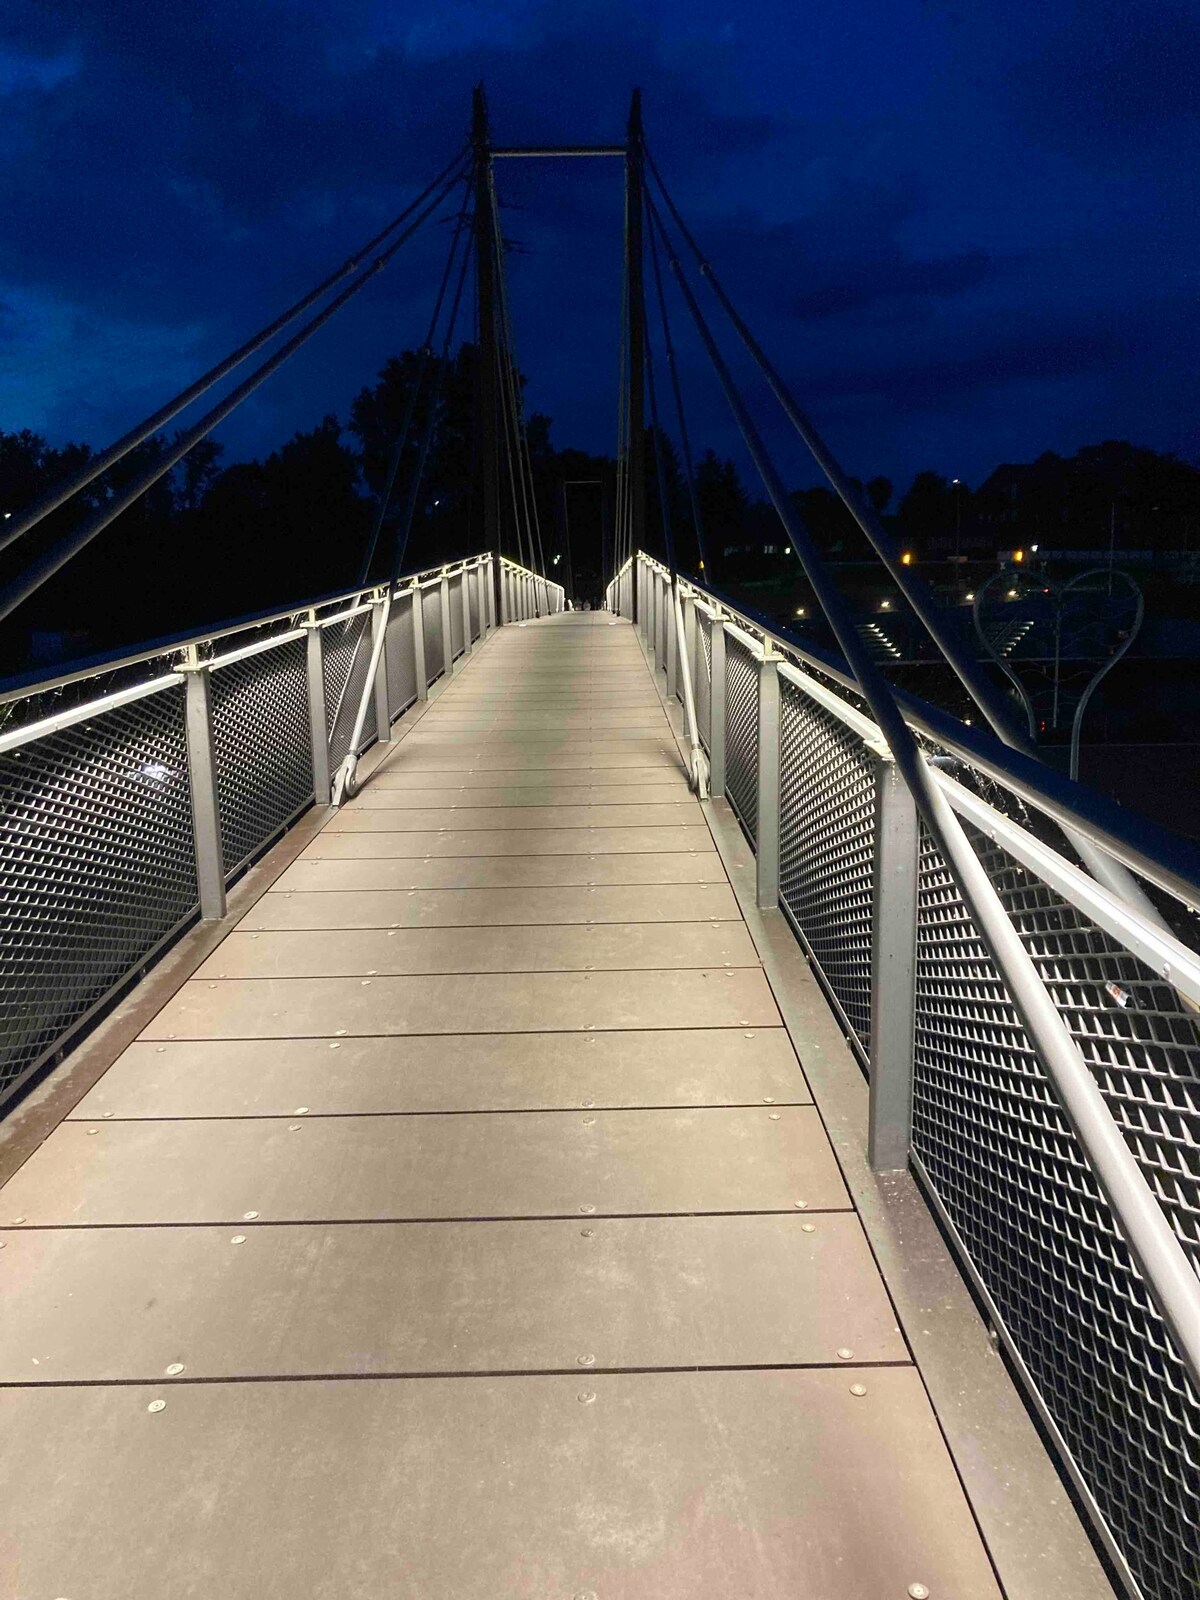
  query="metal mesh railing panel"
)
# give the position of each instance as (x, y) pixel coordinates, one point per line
(431, 613)
(398, 655)
(741, 733)
(702, 666)
(263, 748)
(458, 640)
(1019, 1190)
(97, 864)
(346, 651)
(474, 582)
(827, 846)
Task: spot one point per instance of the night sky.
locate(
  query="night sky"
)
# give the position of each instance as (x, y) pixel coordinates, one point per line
(968, 233)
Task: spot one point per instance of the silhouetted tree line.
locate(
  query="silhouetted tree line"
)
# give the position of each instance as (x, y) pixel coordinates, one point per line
(214, 541)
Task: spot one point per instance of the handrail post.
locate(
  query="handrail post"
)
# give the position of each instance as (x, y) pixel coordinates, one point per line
(317, 712)
(671, 646)
(468, 641)
(383, 708)
(447, 635)
(691, 634)
(487, 597)
(202, 782)
(893, 969)
(716, 713)
(766, 832)
(418, 622)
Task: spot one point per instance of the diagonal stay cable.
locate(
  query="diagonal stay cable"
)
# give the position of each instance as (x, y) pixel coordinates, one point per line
(28, 582)
(21, 522)
(418, 379)
(685, 441)
(524, 461)
(1153, 1245)
(935, 619)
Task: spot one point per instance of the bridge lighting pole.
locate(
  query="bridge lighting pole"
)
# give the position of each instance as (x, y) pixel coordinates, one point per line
(635, 211)
(485, 280)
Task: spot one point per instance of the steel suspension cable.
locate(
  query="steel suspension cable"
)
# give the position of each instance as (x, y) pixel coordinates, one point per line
(1152, 1242)
(27, 583)
(415, 386)
(935, 620)
(685, 441)
(22, 522)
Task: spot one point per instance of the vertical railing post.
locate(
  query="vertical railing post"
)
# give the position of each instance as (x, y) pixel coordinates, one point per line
(383, 707)
(418, 621)
(468, 641)
(662, 601)
(505, 609)
(202, 781)
(447, 635)
(893, 969)
(487, 598)
(691, 636)
(716, 712)
(672, 643)
(766, 831)
(318, 724)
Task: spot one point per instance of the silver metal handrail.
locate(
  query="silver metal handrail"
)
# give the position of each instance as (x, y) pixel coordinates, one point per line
(1043, 948)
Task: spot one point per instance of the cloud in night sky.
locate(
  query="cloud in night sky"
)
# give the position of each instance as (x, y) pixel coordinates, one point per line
(966, 235)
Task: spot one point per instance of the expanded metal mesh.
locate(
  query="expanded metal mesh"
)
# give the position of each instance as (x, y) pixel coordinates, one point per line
(97, 864)
(399, 658)
(703, 670)
(1019, 1190)
(263, 748)
(346, 651)
(431, 613)
(827, 846)
(741, 733)
(458, 641)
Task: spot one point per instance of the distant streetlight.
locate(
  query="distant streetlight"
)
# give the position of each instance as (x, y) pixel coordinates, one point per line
(906, 560)
(801, 611)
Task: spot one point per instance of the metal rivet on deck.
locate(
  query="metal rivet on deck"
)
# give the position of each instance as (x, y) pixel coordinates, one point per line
(293, 1127)
(249, 1216)
(588, 1104)
(585, 1397)
(587, 1211)
(20, 1219)
(808, 1227)
(858, 1389)
(107, 1115)
(366, 983)
(212, 986)
(341, 1033)
(918, 1591)
(589, 1122)
(172, 1036)
(582, 1594)
(585, 1361)
(773, 1116)
(300, 1111)
(157, 1405)
(174, 1369)
(160, 1049)
(335, 1044)
(768, 1099)
(93, 1130)
(800, 1205)
(238, 1238)
(587, 1233)
(845, 1355)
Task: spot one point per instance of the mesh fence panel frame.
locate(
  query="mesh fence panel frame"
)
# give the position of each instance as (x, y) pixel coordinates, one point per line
(474, 583)
(262, 745)
(97, 859)
(346, 653)
(399, 657)
(1034, 1223)
(458, 637)
(827, 820)
(703, 670)
(741, 735)
(431, 616)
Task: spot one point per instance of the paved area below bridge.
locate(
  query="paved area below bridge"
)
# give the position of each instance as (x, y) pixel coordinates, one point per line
(464, 1228)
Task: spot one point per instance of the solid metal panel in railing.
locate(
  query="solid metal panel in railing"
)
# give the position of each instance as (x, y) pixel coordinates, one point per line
(431, 615)
(98, 869)
(474, 581)
(741, 747)
(827, 848)
(1018, 1189)
(262, 746)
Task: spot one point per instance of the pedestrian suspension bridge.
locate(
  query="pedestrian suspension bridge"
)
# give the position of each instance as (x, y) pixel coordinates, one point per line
(509, 1099)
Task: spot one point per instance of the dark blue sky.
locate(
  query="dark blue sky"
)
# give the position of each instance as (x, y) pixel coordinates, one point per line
(969, 233)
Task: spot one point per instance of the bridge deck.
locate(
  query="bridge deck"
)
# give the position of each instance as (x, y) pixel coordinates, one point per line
(465, 1227)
